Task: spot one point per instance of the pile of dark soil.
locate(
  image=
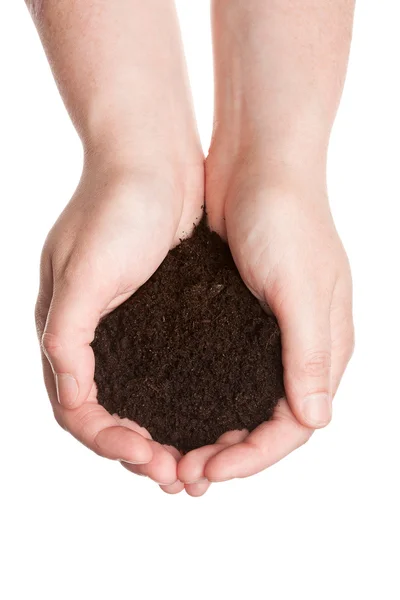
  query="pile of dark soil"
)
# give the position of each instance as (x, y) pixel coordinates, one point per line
(192, 354)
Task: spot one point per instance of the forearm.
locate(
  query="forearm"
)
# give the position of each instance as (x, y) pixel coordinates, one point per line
(280, 67)
(120, 70)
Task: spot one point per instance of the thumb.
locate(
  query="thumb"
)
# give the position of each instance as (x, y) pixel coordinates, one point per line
(66, 340)
(304, 320)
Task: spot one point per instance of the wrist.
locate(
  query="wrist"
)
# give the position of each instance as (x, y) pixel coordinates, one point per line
(110, 165)
(125, 145)
(286, 161)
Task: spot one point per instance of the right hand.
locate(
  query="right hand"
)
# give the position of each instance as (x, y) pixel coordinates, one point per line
(112, 236)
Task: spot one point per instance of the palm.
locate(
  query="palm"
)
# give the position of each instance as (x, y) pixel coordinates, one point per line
(114, 238)
(281, 252)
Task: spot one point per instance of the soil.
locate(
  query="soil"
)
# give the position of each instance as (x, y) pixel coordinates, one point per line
(191, 354)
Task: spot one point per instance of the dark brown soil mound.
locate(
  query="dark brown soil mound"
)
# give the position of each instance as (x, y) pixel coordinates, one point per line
(192, 354)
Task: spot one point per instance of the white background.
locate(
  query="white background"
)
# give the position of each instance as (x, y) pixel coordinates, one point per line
(322, 524)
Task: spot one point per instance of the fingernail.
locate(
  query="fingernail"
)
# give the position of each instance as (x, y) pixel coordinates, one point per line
(317, 409)
(133, 462)
(161, 483)
(200, 480)
(67, 389)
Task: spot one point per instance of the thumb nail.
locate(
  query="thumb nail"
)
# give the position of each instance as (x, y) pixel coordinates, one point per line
(317, 409)
(67, 389)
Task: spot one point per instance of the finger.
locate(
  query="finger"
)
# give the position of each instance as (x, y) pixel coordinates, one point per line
(92, 425)
(162, 468)
(41, 311)
(133, 469)
(304, 320)
(263, 447)
(51, 389)
(45, 294)
(132, 425)
(197, 489)
(175, 488)
(340, 360)
(191, 466)
(178, 486)
(342, 331)
(49, 380)
(69, 330)
(341, 355)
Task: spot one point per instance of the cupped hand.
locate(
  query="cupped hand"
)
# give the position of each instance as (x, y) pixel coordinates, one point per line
(109, 240)
(288, 252)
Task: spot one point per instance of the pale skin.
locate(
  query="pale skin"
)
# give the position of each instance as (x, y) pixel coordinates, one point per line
(279, 72)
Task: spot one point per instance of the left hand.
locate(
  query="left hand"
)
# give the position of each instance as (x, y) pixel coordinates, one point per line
(290, 256)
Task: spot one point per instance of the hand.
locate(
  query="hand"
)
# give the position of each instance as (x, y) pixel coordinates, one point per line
(289, 254)
(109, 240)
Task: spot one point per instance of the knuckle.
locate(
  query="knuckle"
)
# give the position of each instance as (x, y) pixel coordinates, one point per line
(350, 346)
(82, 422)
(59, 420)
(344, 347)
(65, 262)
(69, 274)
(307, 435)
(41, 311)
(74, 267)
(50, 344)
(317, 364)
(275, 292)
(42, 305)
(85, 423)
